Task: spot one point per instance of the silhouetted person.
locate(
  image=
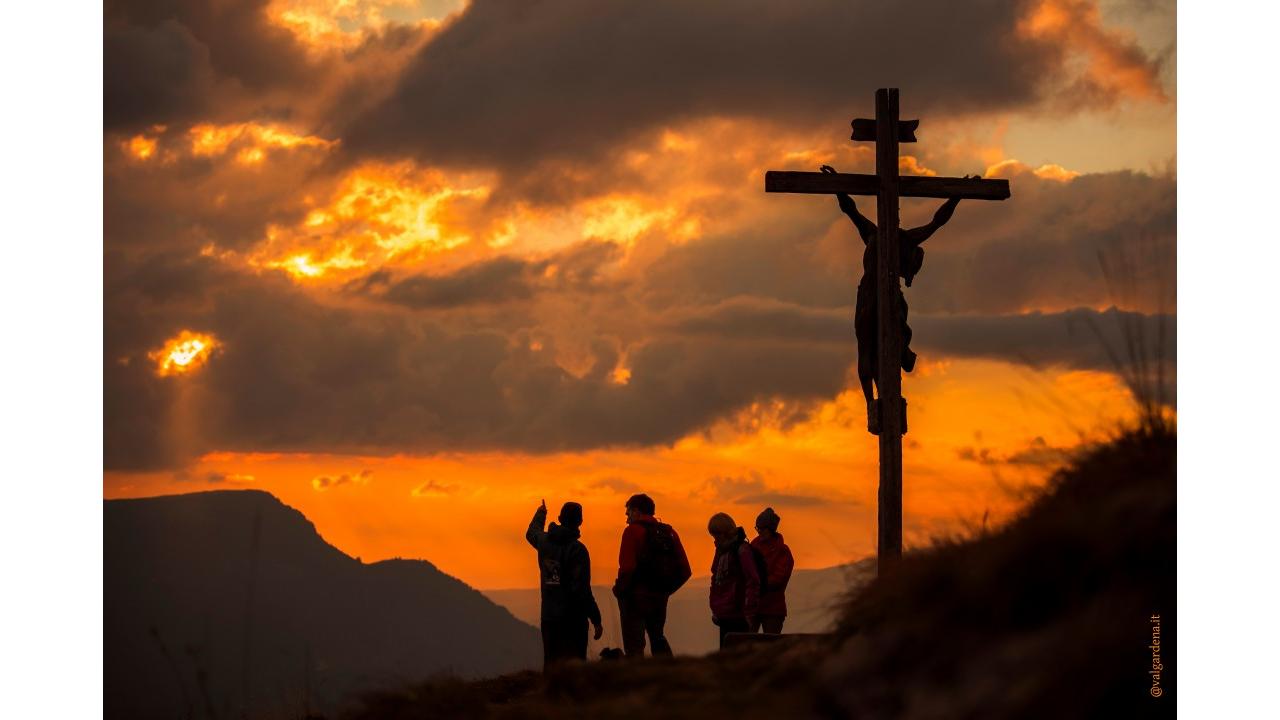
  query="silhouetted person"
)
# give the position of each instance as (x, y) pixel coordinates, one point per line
(565, 569)
(866, 313)
(651, 566)
(735, 578)
(778, 564)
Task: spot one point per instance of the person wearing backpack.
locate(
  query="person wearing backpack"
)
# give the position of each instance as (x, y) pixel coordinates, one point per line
(778, 563)
(651, 566)
(736, 577)
(564, 567)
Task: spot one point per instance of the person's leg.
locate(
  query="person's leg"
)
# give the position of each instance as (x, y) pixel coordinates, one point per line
(732, 625)
(554, 648)
(655, 621)
(548, 642)
(772, 624)
(576, 638)
(632, 628)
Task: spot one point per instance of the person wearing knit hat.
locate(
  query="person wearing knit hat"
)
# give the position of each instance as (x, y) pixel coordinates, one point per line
(735, 578)
(564, 567)
(778, 563)
(768, 520)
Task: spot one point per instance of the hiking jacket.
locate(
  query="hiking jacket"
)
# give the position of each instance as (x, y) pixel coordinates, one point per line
(628, 584)
(565, 569)
(778, 563)
(735, 584)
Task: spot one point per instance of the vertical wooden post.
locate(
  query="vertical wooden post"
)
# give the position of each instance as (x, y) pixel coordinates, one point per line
(889, 548)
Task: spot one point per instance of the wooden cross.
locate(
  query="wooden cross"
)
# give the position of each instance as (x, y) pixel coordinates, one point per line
(887, 131)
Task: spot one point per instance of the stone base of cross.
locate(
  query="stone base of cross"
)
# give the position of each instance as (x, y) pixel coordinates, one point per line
(886, 130)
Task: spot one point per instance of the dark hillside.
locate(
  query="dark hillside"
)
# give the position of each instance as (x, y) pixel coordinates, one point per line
(210, 598)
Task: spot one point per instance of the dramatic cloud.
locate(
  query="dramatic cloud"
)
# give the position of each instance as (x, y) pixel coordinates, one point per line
(496, 281)
(173, 61)
(511, 83)
(638, 287)
(1043, 248)
(1047, 247)
(154, 75)
(505, 355)
(168, 63)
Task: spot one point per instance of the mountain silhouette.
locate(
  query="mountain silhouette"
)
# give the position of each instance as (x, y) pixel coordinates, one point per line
(230, 604)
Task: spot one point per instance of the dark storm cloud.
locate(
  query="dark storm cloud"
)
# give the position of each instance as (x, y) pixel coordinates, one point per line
(1079, 338)
(294, 375)
(172, 60)
(715, 325)
(493, 281)
(241, 43)
(182, 61)
(512, 82)
(154, 74)
(496, 281)
(1044, 247)
(1048, 245)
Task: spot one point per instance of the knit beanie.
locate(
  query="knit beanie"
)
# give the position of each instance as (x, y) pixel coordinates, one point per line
(768, 520)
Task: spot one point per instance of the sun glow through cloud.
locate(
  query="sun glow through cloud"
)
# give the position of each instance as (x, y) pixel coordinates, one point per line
(380, 215)
(328, 25)
(184, 353)
(251, 141)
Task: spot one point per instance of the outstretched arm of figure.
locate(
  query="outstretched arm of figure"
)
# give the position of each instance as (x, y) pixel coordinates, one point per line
(866, 228)
(535, 533)
(940, 218)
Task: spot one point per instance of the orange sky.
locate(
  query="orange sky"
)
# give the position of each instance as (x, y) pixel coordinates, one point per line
(466, 512)
(292, 308)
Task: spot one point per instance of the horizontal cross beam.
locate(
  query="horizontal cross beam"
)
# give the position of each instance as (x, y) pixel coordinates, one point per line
(816, 183)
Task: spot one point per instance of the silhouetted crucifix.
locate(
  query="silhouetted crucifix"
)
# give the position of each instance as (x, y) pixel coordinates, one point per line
(880, 299)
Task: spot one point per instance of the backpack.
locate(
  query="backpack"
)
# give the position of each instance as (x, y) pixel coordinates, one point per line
(659, 565)
(762, 567)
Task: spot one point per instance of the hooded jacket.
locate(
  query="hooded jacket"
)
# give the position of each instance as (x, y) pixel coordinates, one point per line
(564, 567)
(735, 584)
(778, 563)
